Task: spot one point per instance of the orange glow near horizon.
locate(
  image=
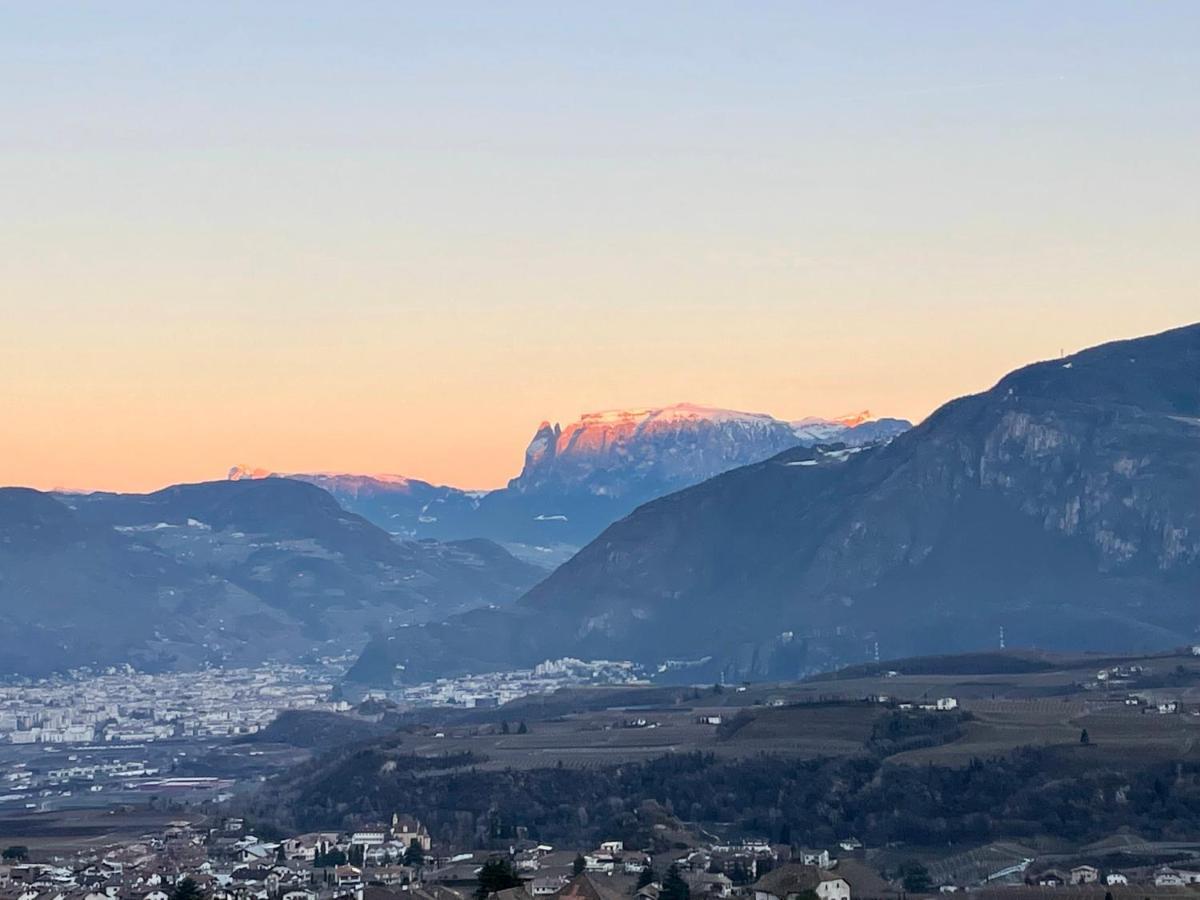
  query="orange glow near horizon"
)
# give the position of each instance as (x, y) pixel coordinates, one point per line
(165, 416)
(395, 240)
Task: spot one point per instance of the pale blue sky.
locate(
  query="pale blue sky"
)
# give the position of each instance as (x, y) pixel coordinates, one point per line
(429, 227)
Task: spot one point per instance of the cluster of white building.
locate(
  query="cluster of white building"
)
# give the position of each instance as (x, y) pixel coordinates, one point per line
(123, 705)
(496, 688)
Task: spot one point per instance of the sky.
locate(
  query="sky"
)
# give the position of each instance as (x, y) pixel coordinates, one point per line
(381, 237)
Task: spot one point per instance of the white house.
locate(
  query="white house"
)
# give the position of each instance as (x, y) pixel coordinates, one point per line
(1167, 878)
(818, 858)
(600, 863)
(369, 836)
(1085, 875)
(793, 880)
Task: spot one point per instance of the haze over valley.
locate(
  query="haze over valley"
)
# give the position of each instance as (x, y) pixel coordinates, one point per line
(544, 451)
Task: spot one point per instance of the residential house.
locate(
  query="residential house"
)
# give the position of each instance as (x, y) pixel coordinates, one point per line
(588, 887)
(1085, 875)
(1167, 878)
(547, 885)
(407, 829)
(708, 884)
(1051, 878)
(819, 858)
(306, 847)
(791, 881)
(369, 836)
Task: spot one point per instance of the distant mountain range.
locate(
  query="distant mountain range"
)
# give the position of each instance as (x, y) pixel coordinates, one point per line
(1061, 505)
(222, 572)
(579, 479)
(256, 568)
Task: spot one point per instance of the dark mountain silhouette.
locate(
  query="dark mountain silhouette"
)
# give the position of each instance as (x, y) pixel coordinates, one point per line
(1062, 504)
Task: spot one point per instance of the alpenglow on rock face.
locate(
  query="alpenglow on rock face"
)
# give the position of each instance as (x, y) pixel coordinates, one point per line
(578, 479)
(1062, 505)
(611, 452)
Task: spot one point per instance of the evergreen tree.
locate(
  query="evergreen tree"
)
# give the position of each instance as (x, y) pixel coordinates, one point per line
(738, 875)
(523, 729)
(496, 875)
(1084, 738)
(187, 889)
(415, 854)
(579, 865)
(645, 877)
(915, 877)
(674, 887)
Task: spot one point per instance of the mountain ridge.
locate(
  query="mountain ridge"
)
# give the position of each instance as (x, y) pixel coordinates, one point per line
(577, 479)
(1054, 504)
(196, 574)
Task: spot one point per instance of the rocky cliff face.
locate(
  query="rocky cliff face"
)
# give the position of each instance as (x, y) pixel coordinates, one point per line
(1063, 505)
(579, 479)
(616, 452)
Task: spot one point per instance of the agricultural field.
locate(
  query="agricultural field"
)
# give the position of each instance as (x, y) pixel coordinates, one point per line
(1031, 700)
(68, 832)
(605, 737)
(1048, 706)
(1005, 765)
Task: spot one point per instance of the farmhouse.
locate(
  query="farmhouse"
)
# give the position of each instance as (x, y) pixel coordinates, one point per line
(793, 880)
(1051, 878)
(1167, 878)
(1085, 875)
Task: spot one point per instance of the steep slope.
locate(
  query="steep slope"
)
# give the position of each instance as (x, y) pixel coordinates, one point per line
(292, 544)
(854, 431)
(73, 593)
(579, 479)
(233, 572)
(406, 506)
(1061, 504)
